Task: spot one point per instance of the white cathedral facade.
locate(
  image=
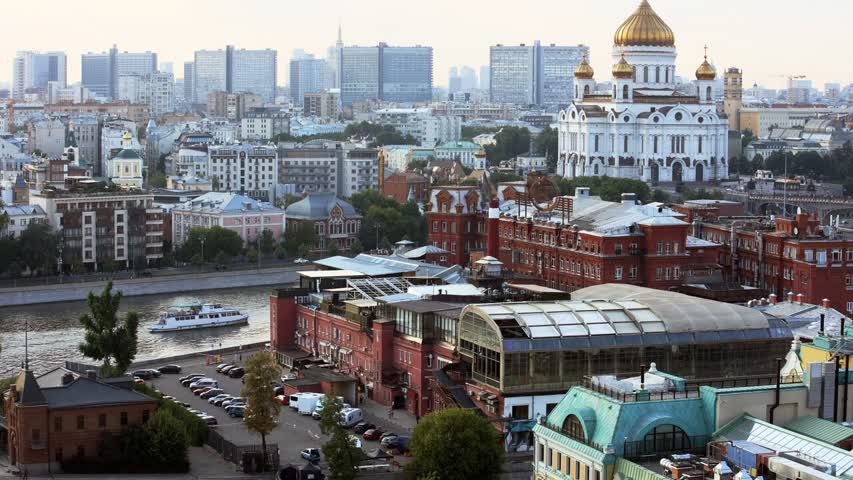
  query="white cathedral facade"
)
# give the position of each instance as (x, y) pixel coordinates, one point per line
(644, 129)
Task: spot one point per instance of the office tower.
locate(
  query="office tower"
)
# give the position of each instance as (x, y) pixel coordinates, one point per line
(799, 90)
(322, 105)
(832, 92)
(733, 99)
(156, 90)
(101, 71)
(189, 73)
(234, 71)
(144, 63)
(485, 77)
(33, 70)
(454, 81)
(307, 75)
(534, 74)
(393, 74)
(167, 67)
(468, 78)
(333, 59)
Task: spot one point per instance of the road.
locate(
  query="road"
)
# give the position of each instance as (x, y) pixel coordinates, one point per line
(294, 431)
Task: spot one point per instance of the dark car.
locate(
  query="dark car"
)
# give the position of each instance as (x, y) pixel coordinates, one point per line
(236, 372)
(146, 274)
(188, 380)
(170, 369)
(362, 427)
(144, 374)
(278, 391)
(372, 434)
(227, 369)
(221, 366)
(211, 393)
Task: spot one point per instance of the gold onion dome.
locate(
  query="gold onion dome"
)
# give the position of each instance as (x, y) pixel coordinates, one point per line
(644, 28)
(584, 70)
(623, 69)
(706, 71)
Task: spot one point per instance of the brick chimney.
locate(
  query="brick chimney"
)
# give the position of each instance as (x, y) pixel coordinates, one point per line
(800, 298)
(826, 303)
(493, 243)
(790, 297)
(772, 299)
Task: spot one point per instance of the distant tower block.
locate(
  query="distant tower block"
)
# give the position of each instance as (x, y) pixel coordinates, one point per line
(733, 96)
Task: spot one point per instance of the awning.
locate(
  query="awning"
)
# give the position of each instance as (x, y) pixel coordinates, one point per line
(791, 469)
(345, 351)
(324, 344)
(523, 426)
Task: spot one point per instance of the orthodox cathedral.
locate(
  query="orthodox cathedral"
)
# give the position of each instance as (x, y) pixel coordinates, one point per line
(644, 129)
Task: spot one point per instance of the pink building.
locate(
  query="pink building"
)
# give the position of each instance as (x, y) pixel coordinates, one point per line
(235, 212)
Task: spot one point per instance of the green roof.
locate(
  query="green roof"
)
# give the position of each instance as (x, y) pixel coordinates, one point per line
(128, 154)
(570, 444)
(820, 429)
(626, 469)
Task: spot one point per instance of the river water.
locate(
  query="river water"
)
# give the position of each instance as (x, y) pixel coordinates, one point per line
(55, 331)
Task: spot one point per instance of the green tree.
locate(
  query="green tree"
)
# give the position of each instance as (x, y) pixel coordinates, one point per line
(280, 252)
(267, 242)
(252, 255)
(262, 408)
(416, 165)
(341, 455)
(209, 242)
(221, 259)
(106, 337)
(39, 247)
(661, 196)
(168, 440)
(332, 248)
(140, 263)
(547, 145)
(287, 200)
(356, 247)
(303, 251)
(157, 180)
(456, 444)
(298, 235)
(608, 188)
(509, 142)
(4, 218)
(8, 253)
(214, 183)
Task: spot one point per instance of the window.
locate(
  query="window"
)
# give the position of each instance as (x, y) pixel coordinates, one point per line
(618, 274)
(123, 418)
(81, 422)
(849, 307)
(618, 249)
(57, 424)
(574, 428)
(541, 452)
(36, 435)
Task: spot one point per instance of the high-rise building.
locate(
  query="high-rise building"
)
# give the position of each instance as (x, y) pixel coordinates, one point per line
(333, 59)
(167, 67)
(189, 87)
(32, 71)
(534, 74)
(485, 77)
(468, 78)
(322, 105)
(101, 71)
(157, 90)
(832, 92)
(733, 100)
(308, 75)
(454, 81)
(394, 74)
(799, 90)
(234, 71)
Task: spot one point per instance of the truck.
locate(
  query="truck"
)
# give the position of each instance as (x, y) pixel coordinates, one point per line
(308, 402)
(351, 416)
(319, 408)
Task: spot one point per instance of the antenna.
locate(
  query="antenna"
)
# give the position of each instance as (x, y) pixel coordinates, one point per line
(26, 345)
(706, 51)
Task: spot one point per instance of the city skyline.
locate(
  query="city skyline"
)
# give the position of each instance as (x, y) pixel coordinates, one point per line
(476, 32)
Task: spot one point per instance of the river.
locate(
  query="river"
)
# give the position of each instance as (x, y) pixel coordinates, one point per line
(55, 331)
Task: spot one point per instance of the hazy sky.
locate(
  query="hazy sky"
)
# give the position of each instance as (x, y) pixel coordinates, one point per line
(767, 39)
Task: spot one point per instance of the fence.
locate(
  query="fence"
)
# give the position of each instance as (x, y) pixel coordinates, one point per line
(235, 454)
(656, 445)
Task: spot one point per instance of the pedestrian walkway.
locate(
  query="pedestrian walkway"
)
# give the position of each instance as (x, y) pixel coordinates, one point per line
(378, 413)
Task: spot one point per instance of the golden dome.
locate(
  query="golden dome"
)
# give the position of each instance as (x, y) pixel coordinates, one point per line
(644, 28)
(623, 69)
(127, 135)
(706, 71)
(584, 70)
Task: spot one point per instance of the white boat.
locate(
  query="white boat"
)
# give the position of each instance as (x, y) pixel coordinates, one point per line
(198, 315)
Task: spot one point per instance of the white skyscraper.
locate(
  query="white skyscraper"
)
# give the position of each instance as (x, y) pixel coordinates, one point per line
(34, 70)
(235, 71)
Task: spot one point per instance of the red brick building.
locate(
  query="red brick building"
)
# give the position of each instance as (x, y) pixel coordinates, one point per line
(456, 221)
(405, 186)
(61, 415)
(785, 255)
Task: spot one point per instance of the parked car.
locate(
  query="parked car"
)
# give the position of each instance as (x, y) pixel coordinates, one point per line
(138, 381)
(210, 420)
(279, 390)
(311, 454)
(204, 382)
(355, 441)
(237, 372)
(389, 441)
(227, 369)
(211, 393)
(288, 377)
(168, 397)
(387, 434)
(215, 398)
(144, 374)
(301, 261)
(237, 411)
(234, 401)
(282, 399)
(362, 427)
(372, 434)
(198, 391)
(185, 381)
(221, 366)
(222, 400)
(170, 369)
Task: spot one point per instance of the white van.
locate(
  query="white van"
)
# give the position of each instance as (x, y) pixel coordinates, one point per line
(293, 402)
(351, 416)
(319, 408)
(307, 402)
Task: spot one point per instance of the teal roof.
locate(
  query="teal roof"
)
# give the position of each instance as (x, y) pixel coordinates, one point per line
(458, 145)
(820, 429)
(128, 154)
(608, 421)
(579, 448)
(626, 469)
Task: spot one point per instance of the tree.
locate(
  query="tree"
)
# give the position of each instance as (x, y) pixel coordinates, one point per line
(106, 337)
(209, 242)
(356, 247)
(303, 251)
(140, 263)
(341, 455)
(4, 218)
(456, 444)
(298, 235)
(608, 188)
(214, 183)
(661, 196)
(39, 247)
(157, 180)
(287, 200)
(267, 242)
(8, 253)
(509, 142)
(221, 258)
(332, 248)
(252, 255)
(168, 439)
(547, 145)
(262, 408)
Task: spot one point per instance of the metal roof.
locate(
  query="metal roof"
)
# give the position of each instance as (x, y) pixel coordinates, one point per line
(318, 206)
(777, 438)
(820, 429)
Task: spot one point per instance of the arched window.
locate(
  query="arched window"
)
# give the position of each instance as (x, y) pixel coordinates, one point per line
(665, 439)
(625, 92)
(646, 74)
(667, 74)
(657, 74)
(614, 92)
(708, 93)
(586, 89)
(574, 428)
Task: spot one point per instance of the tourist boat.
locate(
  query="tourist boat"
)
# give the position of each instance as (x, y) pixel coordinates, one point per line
(198, 315)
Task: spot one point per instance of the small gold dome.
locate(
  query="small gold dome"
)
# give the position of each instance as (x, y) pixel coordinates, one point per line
(706, 71)
(644, 28)
(623, 69)
(127, 135)
(584, 70)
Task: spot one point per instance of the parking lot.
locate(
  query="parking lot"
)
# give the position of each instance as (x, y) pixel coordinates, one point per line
(294, 432)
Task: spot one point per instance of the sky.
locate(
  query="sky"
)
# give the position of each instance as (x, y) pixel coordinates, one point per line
(769, 40)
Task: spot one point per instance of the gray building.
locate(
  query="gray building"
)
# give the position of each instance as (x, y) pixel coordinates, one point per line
(88, 135)
(327, 167)
(100, 71)
(393, 74)
(308, 75)
(234, 71)
(32, 71)
(533, 74)
(189, 73)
